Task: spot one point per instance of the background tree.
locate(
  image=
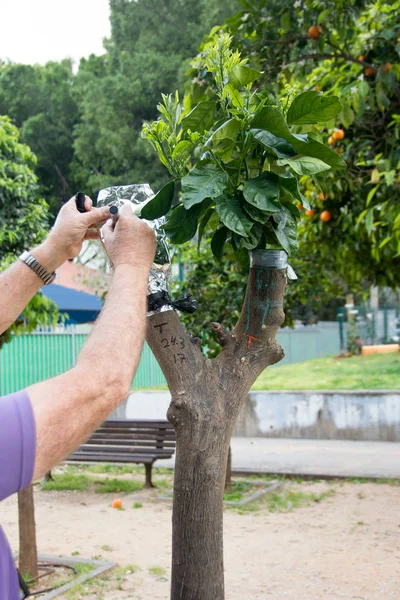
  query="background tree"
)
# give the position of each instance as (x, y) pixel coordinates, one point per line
(41, 102)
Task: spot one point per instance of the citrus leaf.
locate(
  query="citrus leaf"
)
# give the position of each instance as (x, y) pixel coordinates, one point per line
(271, 119)
(201, 117)
(311, 107)
(304, 165)
(263, 192)
(182, 224)
(280, 147)
(218, 242)
(285, 228)
(235, 96)
(160, 204)
(255, 214)
(205, 181)
(228, 130)
(233, 216)
(290, 184)
(182, 149)
(203, 223)
(241, 76)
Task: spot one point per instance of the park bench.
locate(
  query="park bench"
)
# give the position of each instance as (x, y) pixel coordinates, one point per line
(127, 441)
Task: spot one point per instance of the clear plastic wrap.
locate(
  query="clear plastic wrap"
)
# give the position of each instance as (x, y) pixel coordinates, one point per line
(137, 195)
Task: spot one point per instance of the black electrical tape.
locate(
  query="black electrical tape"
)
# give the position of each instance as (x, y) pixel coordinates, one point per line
(157, 300)
(80, 202)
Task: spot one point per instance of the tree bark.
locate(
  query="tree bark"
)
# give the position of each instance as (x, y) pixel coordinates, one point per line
(228, 478)
(28, 560)
(207, 396)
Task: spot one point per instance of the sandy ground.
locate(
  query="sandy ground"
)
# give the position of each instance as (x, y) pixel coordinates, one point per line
(347, 546)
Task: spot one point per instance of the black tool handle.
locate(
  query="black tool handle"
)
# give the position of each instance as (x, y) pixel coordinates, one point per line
(80, 202)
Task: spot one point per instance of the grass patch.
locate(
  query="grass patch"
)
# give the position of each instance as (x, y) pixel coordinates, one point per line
(379, 371)
(239, 490)
(110, 468)
(112, 486)
(157, 571)
(284, 500)
(83, 568)
(68, 481)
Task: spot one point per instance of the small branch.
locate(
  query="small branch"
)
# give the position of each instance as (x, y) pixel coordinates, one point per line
(252, 345)
(220, 332)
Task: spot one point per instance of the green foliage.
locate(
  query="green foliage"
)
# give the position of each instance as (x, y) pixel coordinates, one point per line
(24, 219)
(41, 102)
(357, 59)
(67, 481)
(235, 186)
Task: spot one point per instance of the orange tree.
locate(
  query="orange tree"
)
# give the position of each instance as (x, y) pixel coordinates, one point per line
(351, 49)
(235, 156)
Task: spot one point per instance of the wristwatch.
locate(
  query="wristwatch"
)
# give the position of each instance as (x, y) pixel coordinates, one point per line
(35, 265)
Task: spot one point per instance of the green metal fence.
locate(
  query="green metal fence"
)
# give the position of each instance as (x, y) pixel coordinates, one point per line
(369, 326)
(31, 358)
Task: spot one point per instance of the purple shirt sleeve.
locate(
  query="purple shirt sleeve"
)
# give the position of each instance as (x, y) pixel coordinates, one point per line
(17, 443)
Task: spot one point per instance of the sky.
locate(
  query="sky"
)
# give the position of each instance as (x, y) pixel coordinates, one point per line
(36, 31)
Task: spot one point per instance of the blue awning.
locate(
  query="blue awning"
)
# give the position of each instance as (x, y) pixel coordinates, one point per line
(80, 306)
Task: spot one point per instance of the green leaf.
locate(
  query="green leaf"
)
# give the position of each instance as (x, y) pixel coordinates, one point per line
(161, 204)
(285, 228)
(182, 224)
(304, 165)
(241, 76)
(280, 147)
(311, 107)
(290, 184)
(371, 194)
(203, 223)
(369, 220)
(242, 257)
(218, 242)
(271, 119)
(201, 117)
(347, 116)
(205, 181)
(252, 240)
(255, 214)
(228, 130)
(232, 215)
(324, 15)
(182, 149)
(286, 22)
(263, 192)
(235, 96)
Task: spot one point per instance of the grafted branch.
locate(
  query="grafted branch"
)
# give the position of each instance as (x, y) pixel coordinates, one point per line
(252, 345)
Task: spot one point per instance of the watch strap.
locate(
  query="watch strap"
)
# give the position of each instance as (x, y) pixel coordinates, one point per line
(35, 265)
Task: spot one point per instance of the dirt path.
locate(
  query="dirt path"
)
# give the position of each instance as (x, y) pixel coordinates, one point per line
(347, 546)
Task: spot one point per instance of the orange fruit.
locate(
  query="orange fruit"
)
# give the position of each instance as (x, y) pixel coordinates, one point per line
(361, 57)
(369, 71)
(300, 206)
(310, 212)
(325, 216)
(322, 197)
(338, 135)
(117, 503)
(317, 87)
(314, 32)
(331, 140)
(387, 67)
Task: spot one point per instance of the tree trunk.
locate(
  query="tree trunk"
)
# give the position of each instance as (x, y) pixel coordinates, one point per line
(207, 396)
(28, 560)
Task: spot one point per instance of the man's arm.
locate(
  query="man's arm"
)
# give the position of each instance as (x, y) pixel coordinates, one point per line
(19, 283)
(69, 407)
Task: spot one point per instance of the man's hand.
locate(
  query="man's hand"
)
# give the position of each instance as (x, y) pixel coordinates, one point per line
(72, 228)
(132, 242)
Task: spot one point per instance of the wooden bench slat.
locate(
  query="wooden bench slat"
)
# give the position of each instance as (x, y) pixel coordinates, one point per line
(104, 458)
(134, 435)
(124, 449)
(138, 424)
(124, 442)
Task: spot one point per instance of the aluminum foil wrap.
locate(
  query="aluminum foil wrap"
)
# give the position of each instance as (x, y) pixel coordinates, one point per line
(137, 195)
